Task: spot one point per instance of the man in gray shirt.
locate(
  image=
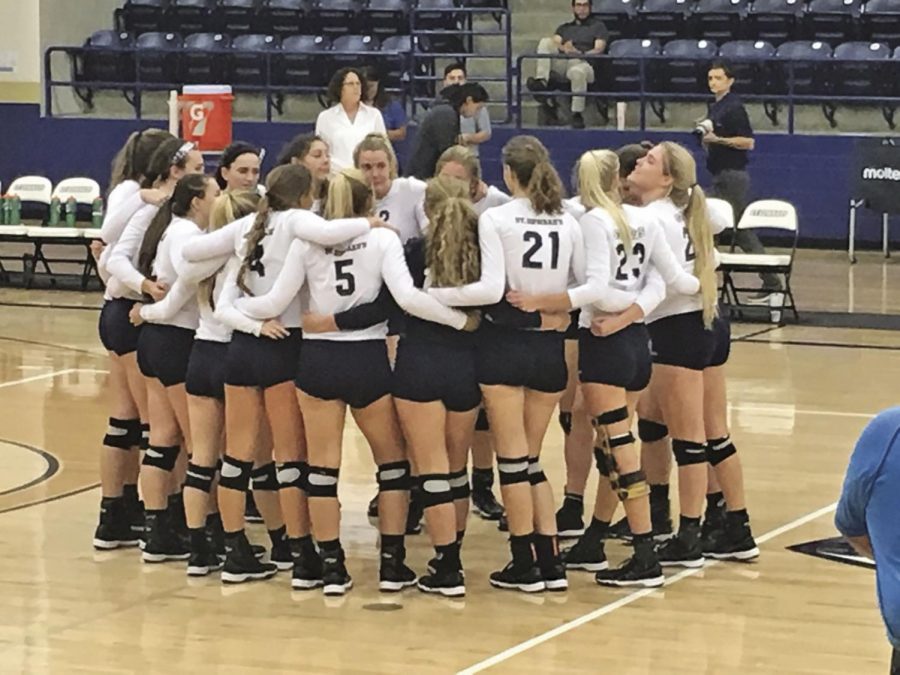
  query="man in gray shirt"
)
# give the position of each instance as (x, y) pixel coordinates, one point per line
(473, 130)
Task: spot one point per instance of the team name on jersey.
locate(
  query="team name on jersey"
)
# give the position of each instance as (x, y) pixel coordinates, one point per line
(555, 222)
(338, 252)
(636, 233)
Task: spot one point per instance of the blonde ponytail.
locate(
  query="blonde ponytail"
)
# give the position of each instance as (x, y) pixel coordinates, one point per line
(452, 251)
(597, 173)
(349, 196)
(228, 207)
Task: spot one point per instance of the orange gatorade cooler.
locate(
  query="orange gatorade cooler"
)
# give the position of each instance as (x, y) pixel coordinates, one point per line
(206, 116)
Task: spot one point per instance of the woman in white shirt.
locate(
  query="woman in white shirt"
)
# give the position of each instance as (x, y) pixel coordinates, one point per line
(344, 125)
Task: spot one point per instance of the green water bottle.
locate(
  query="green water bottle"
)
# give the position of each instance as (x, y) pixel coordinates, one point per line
(15, 210)
(71, 212)
(4, 210)
(97, 213)
(55, 208)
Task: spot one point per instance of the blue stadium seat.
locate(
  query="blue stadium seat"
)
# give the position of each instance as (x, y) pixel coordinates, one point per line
(810, 61)
(248, 61)
(880, 21)
(387, 17)
(719, 20)
(685, 70)
(205, 59)
(336, 17)
(623, 69)
(157, 56)
(284, 18)
(108, 59)
(142, 16)
(775, 21)
(832, 21)
(853, 78)
(440, 15)
(352, 44)
(663, 20)
(618, 16)
(191, 16)
(236, 17)
(747, 58)
(303, 61)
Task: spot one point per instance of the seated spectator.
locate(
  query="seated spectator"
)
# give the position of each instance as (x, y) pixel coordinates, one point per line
(392, 110)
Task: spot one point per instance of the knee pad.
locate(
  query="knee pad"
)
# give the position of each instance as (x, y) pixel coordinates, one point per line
(620, 440)
(633, 486)
(650, 431)
(688, 453)
(322, 482)
(162, 456)
(536, 474)
(611, 417)
(436, 489)
(265, 478)
(565, 422)
(394, 476)
(235, 474)
(145, 436)
(459, 484)
(482, 423)
(605, 462)
(292, 475)
(122, 434)
(512, 470)
(200, 477)
(719, 449)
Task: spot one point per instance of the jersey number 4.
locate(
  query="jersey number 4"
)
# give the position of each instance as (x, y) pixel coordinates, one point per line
(638, 251)
(345, 283)
(537, 242)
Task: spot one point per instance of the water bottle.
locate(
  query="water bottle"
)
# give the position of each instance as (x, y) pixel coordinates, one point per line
(71, 212)
(55, 209)
(97, 213)
(14, 206)
(4, 210)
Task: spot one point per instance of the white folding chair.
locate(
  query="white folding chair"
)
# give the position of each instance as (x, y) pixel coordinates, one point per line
(34, 193)
(772, 214)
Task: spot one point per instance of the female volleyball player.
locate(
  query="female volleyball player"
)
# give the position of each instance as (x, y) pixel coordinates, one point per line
(351, 368)
(459, 161)
(239, 167)
(312, 152)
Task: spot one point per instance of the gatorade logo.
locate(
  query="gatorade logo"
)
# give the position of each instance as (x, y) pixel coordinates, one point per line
(886, 173)
(200, 113)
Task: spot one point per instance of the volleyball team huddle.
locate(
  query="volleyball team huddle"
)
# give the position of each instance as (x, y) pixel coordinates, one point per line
(241, 327)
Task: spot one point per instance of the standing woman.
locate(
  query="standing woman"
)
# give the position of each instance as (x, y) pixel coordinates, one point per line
(344, 125)
(395, 117)
(261, 365)
(121, 515)
(351, 368)
(529, 245)
(239, 168)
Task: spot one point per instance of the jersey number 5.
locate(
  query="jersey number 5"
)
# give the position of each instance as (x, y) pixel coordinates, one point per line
(345, 283)
(537, 242)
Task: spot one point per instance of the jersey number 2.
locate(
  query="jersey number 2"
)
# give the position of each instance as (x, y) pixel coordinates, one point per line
(537, 241)
(345, 283)
(638, 251)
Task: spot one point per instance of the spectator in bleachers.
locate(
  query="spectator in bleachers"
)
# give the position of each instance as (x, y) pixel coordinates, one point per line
(348, 120)
(440, 128)
(239, 168)
(727, 141)
(393, 112)
(586, 35)
(473, 130)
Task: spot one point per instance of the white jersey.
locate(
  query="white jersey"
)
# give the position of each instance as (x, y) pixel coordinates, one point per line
(121, 205)
(617, 277)
(403, 207)
(493, 197)
(345, 276)
(574, 207)
(125, 280)
(522, 250)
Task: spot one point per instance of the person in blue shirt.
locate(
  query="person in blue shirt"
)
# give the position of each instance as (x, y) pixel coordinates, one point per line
(868, 513)
(392, 110)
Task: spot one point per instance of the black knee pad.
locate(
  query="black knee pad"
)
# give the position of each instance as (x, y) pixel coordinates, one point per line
(122, 434)
(565, 422)
(633, 486)
(265, 478)
(292, 475)
(620, 440)
(162, 456)
(512, 470)
(688, 453)
(482, 423)
(719, 449)
(611, 417)
(145, 436)
(235, 474)
(394, 476)
(200, 477)
(322, 481)
(436, 489)
(536, 474)
(605, 462)
(650, 431)
(459, 484)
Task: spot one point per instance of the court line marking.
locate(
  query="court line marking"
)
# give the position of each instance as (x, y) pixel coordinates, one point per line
(800, 411)
(629, 599)
(47, 376)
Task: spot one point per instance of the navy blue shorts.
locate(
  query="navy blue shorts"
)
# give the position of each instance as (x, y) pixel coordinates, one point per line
(117, 333)
(572, 330)
(722, 331)
(260, 361)
(619, 360)
(206, 369)
(163, 352)
(521, 358)
(430, 371)
(682, 340)
(357, 373)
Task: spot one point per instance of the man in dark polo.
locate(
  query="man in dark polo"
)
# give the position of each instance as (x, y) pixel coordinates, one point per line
(585, 35)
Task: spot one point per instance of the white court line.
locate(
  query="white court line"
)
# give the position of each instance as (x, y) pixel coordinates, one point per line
(47, 376)
(799, 411)
(628, 599)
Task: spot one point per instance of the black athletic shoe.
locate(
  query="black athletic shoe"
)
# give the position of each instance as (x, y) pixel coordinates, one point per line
(372, 511)
(585, 556)
(335, 580)
(281, 557)
(394, 575)
(251, 511)
(162, 543)
(202, 563)
(732, 544)
(569, 521)
(632, 573)
(446, 582)
(525, 579)
(307, 573)
(662, 525)
(675, 552)
(114, 530)
(712, 531)
(554, 577)
(134, 514)
(241, 565)
(485, 504)
(620, 530)
(503, 523)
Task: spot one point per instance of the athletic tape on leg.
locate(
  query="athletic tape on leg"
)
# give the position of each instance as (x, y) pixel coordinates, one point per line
(633, 486)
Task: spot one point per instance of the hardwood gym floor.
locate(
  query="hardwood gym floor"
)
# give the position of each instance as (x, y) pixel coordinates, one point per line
(799, 398)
